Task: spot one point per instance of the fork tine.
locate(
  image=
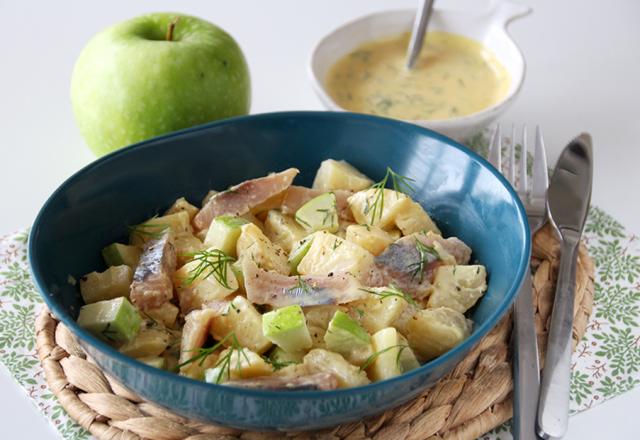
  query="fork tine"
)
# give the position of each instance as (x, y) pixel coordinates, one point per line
(540, 172)
(512, 155)
(522, 186)
(495, 149)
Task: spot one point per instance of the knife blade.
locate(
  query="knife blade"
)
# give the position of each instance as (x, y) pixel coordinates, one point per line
(568, 199)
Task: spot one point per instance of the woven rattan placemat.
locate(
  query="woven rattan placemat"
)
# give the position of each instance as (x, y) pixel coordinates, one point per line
(470, 401)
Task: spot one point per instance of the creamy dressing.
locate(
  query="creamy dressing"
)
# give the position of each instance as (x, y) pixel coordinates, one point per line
(453, 76)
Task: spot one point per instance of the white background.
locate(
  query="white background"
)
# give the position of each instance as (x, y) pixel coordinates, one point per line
(583, 75)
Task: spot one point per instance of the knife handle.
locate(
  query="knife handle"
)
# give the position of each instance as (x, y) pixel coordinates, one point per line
(526, 372)
(553, 407)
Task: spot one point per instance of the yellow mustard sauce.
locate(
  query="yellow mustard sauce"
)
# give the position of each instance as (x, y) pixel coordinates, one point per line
(453, 76)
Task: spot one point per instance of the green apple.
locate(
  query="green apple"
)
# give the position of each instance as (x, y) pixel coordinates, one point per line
(155, 74)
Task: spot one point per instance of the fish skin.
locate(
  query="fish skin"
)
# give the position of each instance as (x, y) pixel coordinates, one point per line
(453, 245)
(242, 198)
(296, 196)
(279, 290)
(194, 335)
(397, 264)
(195, 331)
(152, 284)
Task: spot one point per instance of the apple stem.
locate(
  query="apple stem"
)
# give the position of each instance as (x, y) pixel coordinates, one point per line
(170, 28)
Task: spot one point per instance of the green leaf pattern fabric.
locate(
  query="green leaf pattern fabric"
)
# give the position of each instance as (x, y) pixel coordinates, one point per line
(20, 303)
(606, 362)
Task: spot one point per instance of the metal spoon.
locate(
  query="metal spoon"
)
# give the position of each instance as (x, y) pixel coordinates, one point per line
(418, 31)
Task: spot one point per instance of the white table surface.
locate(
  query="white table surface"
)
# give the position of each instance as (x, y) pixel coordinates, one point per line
(583, 75)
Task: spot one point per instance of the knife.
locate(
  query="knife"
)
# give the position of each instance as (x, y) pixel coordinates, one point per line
(568, 199)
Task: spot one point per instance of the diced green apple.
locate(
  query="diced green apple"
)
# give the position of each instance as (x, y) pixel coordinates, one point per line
(117, 254)
(345, 336)
(224, 232)
(115, 320)
(287, 328)
(236, 268)
(298, 253)
(319, 214)
(408, 360)
(279, 355)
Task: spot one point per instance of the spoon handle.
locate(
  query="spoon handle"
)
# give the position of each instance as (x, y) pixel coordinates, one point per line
(419, 29)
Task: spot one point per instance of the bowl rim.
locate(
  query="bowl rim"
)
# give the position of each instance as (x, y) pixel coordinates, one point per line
(472, 118)
(84, 336)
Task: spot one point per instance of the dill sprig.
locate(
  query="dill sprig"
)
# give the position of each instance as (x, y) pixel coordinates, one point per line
(301, 284)
(301, 221)
(224, 363)
(151, 322)
(328, 216)
(392, 291)
(425, 254)
(210, 262)
(371, 359)
(148, 230)
(108, 333)
(203, 353)
(399, 183)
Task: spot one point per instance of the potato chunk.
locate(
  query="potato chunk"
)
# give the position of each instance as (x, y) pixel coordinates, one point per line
(112, 283)
(386, 364)
(253, 244)
(182, 204)
(242, 318)
(378, 311)
(364, 203)
(318, 318)
(178, 223)
(432, 332)
(148, 342)
(186, 245)
(166, 314)
(193, 293)
(339, 174)
(331, 254)
(282, 230)
(237, 363)
(413, 218)
(323, 361)
(371, 238)
(458, 287)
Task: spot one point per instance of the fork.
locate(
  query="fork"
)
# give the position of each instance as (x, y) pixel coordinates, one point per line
(526, 370)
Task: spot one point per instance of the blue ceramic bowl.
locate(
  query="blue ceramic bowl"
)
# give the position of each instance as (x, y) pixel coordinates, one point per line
(464, 194)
